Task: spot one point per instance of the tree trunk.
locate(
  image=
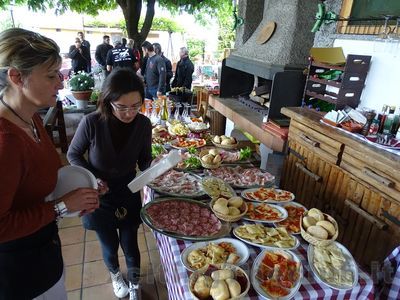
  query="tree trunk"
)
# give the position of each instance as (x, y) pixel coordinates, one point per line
(131, 10)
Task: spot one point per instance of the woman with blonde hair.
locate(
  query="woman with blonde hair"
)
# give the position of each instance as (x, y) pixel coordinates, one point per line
(31, 265)
(116, 138)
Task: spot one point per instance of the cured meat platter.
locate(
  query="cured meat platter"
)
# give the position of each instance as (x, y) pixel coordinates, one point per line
(242, 178)
(184, 219)
(178, 184)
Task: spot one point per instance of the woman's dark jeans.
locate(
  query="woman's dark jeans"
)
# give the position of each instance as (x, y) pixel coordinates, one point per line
(110, 241)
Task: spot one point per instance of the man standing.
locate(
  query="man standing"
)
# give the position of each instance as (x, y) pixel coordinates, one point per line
(120, 56)
(168, 66)
(80, 56)
(86, 44)
(101, 53)
(184, 70)
(155, 74)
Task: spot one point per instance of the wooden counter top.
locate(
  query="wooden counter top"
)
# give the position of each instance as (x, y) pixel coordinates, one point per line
(246, 119)
(312, 119)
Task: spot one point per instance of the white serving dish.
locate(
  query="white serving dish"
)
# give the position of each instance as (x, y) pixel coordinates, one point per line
(256, 284)
(297, 243)
(70, 178)
(241, 250)
(281, 209)
(350, 262)
(267, 200)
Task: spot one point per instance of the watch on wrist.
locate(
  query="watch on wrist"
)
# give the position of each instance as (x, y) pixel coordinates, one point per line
(60, 209)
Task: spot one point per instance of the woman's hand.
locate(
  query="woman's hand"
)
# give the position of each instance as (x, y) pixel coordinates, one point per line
(82, 199)
(102, 187)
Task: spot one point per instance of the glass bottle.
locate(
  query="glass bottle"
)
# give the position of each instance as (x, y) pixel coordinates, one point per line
(387, 127)
(370, 115)
(164, 112)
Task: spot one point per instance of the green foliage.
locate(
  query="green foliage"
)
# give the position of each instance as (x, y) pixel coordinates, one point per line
(94, 97)
(226, 34)
(201, 9)
(81, 81)
(159, 24)
(195, 47)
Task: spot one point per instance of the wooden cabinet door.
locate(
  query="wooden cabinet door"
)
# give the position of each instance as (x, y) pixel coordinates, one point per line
(369, 223)
(305, 174)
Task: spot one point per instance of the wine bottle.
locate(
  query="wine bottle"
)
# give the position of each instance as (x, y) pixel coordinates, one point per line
(164, 112)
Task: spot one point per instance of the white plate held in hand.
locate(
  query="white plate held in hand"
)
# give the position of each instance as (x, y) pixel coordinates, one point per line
(70, 178)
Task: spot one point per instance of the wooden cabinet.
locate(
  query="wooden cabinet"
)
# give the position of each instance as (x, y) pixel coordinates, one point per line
(351, 180)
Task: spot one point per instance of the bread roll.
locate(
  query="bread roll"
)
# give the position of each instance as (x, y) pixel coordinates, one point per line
(213, 151)
(224, 210)
(318, 232)
(219, 290)
(222, 201)
(233, 211)
(328, 226)
(222, 274)
(226, 142)
(308, 221)
(208, 158)
(202, 286)
(233, 287)
(235, 201)
(316, 214)
(217, 139)
(217, 159)
(223, 137)
(233, 140)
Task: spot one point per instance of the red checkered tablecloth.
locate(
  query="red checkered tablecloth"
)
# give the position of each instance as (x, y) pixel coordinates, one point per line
(177, 277)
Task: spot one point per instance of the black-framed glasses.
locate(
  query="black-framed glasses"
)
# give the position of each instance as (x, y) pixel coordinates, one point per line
(124, 109)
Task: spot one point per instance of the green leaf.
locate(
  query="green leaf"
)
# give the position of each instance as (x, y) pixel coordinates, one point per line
(245, 153)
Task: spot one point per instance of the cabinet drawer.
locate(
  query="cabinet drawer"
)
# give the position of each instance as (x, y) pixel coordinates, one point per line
(319, 143)
(383, 176)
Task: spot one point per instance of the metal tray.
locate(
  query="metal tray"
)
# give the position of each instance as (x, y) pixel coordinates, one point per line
(199, 193)
(224, 231)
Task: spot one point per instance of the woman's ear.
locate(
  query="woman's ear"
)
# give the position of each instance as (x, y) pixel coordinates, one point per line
(15, 77)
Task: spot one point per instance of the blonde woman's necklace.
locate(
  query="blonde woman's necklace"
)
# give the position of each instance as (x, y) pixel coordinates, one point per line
(30, 124)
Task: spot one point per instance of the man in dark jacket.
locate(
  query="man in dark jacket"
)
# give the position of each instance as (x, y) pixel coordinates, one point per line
(101, 53)
(184, 70)
(168, 66)
(80, 56)
(86, 44)
(120, 56)
(155, 72)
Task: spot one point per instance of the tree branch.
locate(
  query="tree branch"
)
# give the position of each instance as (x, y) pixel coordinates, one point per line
(148, 19)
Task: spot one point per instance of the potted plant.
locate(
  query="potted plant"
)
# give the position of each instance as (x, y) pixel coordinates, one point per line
(81, 85)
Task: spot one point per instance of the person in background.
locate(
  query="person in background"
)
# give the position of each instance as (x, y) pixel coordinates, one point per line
(80, 56)
(124, 41)
(184, 70)
(136, 52)
(31, 264)
(168, 66)
(116, 138)
(101, 54)
(120, 56)
(86, 44)
(155, 74)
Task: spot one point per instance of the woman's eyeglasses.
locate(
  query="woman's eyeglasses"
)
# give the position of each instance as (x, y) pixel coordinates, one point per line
(124, 109)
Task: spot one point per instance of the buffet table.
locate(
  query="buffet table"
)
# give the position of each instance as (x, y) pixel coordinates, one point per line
(177, 277)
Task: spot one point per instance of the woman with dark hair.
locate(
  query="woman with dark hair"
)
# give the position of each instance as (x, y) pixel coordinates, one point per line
(116, 138)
